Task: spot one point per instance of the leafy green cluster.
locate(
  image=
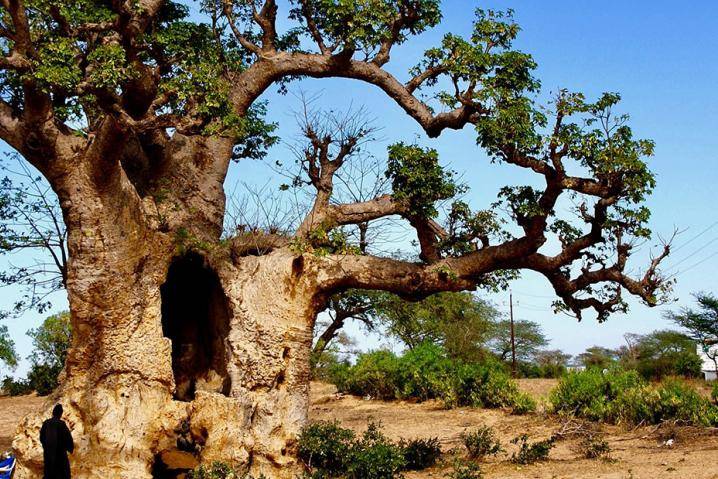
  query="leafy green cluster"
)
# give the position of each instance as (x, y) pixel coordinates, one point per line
(219, 470)
(51, 341)
(420, 453)
(364, 24)
(426, 372)
(481, 442)
(624, 397)
(418, 179)
(530, 453)
(328, 450)
(82, 69)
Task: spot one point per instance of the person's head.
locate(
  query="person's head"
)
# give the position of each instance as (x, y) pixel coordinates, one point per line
(57, 411)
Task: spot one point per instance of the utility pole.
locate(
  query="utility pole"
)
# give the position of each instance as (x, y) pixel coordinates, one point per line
(513, 338)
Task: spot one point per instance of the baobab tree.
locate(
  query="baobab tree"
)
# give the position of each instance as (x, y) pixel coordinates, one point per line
(134, 110)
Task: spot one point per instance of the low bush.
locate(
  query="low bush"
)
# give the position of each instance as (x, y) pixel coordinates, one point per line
(462, 469)
(530, 453)
(374, 456)
(218, 470)
(481, 442)
(420, 453)
(325, 446)
(426, 372)
(375, 374)
(330, 451)
(594, 447)
(623, 396)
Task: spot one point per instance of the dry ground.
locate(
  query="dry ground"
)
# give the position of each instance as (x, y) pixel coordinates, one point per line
(637, 453)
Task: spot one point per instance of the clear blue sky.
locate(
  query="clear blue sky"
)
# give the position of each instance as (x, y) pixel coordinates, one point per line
(663, 59)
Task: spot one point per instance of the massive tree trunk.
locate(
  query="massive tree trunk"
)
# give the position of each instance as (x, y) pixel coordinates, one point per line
(180, 348)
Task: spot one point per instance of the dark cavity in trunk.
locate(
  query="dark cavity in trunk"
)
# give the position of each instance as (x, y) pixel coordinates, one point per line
(195, 317)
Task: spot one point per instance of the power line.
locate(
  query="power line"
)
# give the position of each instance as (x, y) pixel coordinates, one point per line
(695, 237)
(670, 267)
(678, 273)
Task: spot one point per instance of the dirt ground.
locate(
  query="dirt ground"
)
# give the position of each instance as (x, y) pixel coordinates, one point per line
(636, 453)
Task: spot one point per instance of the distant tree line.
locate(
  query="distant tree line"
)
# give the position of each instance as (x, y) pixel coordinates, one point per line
(472, 330)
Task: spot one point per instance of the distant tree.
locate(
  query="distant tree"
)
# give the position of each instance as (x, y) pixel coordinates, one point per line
(701, 324)
(31, 220)
(51, 341)
(666, 353)
(354, 305)
(529, 339)
(8, 356)
(460, 322)
(552, 362)
(598, 357)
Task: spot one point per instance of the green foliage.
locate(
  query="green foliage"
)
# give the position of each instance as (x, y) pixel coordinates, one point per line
(51, 341)
(373, 456)
(15, 387)
(701, 324)
(462, 469)
(661, 354)
(420, 453)
(418, 179)
(623, 396)
(218, 470)
(7, 348)
(325, 446)
(597, 357)
(364, 24)
(460, 322)
(594, 447)
(375, 374)
(530, 453)
(592, 394)
(329, 450)
(426, 372)
(481, 442)
(528, 339)
(109, 67)
(714, 393)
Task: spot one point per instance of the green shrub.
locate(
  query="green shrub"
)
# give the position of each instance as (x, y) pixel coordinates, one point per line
(462, 469)
(375, 374)
(325, 446)
(529, 453)
(481, 442)
(591, 393)
(420, 453)
(16, 387)
(373, 456)
(426, 372)
(330, 451)
(217, 470)
(714, 392)
(594, 447)
(622, 396)
(523, 404)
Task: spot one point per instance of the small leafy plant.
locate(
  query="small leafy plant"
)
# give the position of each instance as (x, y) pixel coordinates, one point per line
(463, 469)
(530, 453)
(481, 442)
(420, 453)
(594, 447)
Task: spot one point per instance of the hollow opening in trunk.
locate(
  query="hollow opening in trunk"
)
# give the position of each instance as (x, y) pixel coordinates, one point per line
(195, 317)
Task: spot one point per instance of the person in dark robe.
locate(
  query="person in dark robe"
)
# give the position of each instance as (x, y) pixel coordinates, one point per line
(56, 443)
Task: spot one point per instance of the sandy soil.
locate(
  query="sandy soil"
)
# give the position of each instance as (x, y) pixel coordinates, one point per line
(12, 410)
(636, 453)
